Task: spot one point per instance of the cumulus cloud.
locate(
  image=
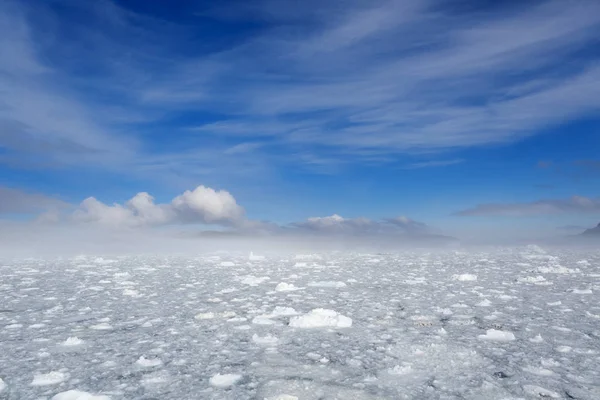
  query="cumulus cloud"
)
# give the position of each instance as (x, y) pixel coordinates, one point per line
(336, 224)
(574, 204)
(201, 205)
(22, 202)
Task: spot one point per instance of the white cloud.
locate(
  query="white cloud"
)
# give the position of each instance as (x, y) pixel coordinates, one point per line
(434, 163)
(322, 80)
(419, 89)
(329, 84)
(336, 224)
(41, 120)
(201, 205)
(572, 205)
(408, 224)
(207, 205)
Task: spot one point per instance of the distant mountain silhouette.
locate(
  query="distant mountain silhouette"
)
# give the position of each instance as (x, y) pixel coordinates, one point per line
(593, 231)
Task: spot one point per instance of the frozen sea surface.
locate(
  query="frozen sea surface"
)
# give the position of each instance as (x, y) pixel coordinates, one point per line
(508, 324)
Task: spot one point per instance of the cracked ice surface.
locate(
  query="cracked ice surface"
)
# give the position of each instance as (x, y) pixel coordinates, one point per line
(517, 323)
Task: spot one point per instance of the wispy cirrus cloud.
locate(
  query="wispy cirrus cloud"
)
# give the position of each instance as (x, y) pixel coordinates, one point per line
(572, 205)
(434, 163)
(324, 81)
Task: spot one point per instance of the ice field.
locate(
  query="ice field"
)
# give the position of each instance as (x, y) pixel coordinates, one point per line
(521, 323)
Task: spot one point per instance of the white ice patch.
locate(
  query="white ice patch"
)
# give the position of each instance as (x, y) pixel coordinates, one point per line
(286, 287)
(416, 281)
(538, 371)
(212, 315)
(206, 315)
(301, 264)
(403, 369)
(540, 392)
(223, 381)
(78, 395)
(73, 341)
(268, 340)
(327, 284)
(531, 279)
(537, 339)
(2, 385)
(131, 293)
(148, 362)
(101, 327)
(155, 379)
(51, 378)
(284, 312)
(255, 257)
(497, 336)
(251, 280)
(582, 291)
(321, 318)
(227, 264)
(307, 257)
(464, 277)
(263, 320)
(559, 269)
(484, 303)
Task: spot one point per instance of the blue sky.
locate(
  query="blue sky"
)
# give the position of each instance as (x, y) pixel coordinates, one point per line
(462, 115)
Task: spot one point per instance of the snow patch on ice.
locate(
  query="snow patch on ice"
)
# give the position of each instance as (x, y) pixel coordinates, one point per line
(538, 371)
(540, 392)
(101, 327)
(227, 264)
(557, 270)
(403, 369)
(464, 277)
(327, 284)
(537, 339)
(206, 315)
(268, 340)
(223, 381)
(497, 336)
(282, 397)
(321, 318)
(255, 257)
(484, 303)
(582, 291)
(284, 311)
(148, 362)
(73, 341)
(263, 320)
(286, 287)
(251, 280)
(531, 279)
(51, 378)
(78, 395)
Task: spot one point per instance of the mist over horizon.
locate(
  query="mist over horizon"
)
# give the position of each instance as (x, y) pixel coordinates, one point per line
(391, 121)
